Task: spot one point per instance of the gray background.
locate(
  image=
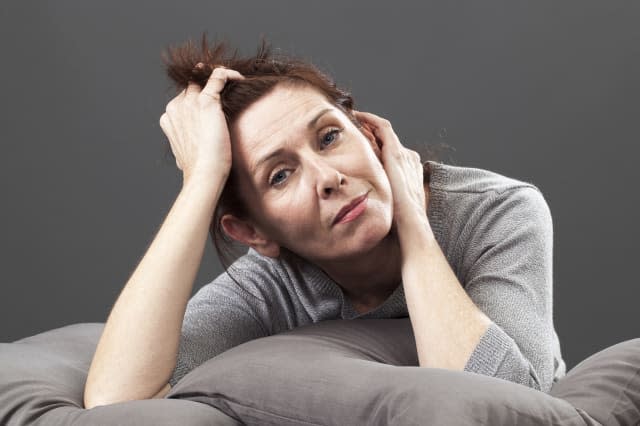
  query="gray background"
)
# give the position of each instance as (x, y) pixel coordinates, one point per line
(546, 92)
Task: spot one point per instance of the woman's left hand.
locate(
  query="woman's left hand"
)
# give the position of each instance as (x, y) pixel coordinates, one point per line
(405, 172)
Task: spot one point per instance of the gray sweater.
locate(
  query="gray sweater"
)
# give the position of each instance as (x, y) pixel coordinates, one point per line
(497, 234)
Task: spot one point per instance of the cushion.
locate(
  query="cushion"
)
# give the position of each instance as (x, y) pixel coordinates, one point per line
(346, 372)
(42, 380)
(607, 385)
(360, 372)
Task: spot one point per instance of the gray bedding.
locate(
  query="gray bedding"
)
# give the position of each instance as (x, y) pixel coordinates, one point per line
(358, 372)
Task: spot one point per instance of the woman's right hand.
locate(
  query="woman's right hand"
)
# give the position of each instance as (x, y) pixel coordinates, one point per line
(196, 127)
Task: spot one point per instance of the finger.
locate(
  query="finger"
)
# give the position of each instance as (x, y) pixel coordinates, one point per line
(169, 129)
(372, 118)
(382, 128)
(165, 125)
(217, 80)
(414, 154)
(192, 90)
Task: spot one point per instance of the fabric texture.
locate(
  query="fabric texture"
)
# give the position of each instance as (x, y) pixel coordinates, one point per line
(497, 235)
(606, 384)
(342, 372)
(42, 379)
(336, 372)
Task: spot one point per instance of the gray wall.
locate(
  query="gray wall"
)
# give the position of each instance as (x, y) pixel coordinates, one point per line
(546, 92)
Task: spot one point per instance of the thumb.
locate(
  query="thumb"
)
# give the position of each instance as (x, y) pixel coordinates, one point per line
(217, 81)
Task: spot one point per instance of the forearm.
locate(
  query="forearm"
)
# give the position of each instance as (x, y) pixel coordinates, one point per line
(447, 325)
(137, 351)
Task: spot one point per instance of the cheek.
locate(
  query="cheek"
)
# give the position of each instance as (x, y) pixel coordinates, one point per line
(382, 181)
(374, 166)
(371, 152)
(291, 219)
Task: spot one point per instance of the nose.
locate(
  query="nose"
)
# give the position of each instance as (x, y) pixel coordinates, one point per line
(328, 179)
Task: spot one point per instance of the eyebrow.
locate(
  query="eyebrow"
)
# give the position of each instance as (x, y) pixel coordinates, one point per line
(279, 151)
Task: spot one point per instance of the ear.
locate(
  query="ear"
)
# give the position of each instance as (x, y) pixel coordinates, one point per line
(245, 233)
(375, 144)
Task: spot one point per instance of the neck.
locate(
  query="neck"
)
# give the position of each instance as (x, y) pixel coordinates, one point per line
(374, 275)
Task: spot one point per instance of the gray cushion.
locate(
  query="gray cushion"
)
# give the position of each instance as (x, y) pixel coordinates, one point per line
(334, 372)
(606, 385)
(360, 372)
(42, 380)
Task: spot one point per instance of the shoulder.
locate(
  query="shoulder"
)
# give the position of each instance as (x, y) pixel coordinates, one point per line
(246, 279)
(472, 180)
(258, 274)
(474, 207)
(465, 191)
(267, 268)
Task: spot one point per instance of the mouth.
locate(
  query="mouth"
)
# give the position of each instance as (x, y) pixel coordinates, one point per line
(352, 209)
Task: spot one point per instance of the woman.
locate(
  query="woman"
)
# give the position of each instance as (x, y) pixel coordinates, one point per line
(341, 221)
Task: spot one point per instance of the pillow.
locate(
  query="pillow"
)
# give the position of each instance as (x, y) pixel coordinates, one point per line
(359, 372)
(42, 380)
(606, 385)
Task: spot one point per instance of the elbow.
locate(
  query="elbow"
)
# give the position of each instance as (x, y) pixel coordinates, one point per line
(541, 379)
(534, 381)
(96, 394)
(95, 400)
(89, 405)
(99, 400)
(89, 398)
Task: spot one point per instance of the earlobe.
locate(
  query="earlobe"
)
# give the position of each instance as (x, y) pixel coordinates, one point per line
(245, 233)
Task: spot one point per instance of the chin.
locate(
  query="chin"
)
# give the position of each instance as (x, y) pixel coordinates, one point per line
(365, 237)
(370, 237)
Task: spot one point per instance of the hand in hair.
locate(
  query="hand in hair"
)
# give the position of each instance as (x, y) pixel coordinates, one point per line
(196, 127)
(405, 172)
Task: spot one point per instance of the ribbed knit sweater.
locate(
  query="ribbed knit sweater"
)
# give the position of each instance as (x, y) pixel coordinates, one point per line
(497, 235)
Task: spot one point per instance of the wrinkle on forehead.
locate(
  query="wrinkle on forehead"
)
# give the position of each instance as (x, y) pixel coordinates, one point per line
(268, 123)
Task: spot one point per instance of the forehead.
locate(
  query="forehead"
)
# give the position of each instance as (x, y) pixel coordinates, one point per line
(276, 119)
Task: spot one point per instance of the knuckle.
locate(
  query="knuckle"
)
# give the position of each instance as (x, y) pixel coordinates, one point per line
(205, 98)
(219, 72)
(397, 155)
(188, 104)
(172, 107)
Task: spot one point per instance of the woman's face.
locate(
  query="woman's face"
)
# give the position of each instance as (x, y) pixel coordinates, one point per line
(299, 160)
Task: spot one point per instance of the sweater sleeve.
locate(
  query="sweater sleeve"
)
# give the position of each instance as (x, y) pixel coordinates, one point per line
(221, 315)
(508, 265)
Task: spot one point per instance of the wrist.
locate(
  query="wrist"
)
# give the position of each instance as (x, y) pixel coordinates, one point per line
(204, 185)
(206, 177)
(414, 234)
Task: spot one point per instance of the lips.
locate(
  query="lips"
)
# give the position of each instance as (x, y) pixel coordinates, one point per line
(344, 210)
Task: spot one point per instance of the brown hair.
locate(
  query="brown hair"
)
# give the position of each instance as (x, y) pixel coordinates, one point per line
(262, 72)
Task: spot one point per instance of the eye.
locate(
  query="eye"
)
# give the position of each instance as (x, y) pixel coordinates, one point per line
(275, 181)
(329, 137)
